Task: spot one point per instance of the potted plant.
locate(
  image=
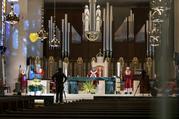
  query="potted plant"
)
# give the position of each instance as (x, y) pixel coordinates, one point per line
(88, 87)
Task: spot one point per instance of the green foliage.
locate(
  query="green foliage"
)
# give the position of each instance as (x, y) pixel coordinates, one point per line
(33, 88)
(88, 87)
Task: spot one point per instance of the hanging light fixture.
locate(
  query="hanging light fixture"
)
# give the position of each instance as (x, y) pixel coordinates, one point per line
(12, 18)
(92, 21)
(55, 42)
(42, 34)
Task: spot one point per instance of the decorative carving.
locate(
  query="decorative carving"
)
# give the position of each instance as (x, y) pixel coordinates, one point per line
(108, 59)
(93, 59)
(135, 65)
(110, 66)
(37, 60)
(79, 66)
(66, 60)
(51, 67)
(79, 60)
(148, 66)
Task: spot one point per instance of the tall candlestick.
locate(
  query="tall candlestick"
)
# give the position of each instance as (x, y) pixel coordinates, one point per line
(147, 37)
(66, 33)
(132, 25)
(51, 27)
(63, 37)
(104, 30)
(110, 33)
(49, 30)
(107, 27)
(68, 47)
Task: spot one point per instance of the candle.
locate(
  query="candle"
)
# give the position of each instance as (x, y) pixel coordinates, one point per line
(118, 69)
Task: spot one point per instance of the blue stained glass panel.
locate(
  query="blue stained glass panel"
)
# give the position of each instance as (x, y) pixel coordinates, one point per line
(15, 38)
(26, 24)
(17, 9)
(24, 49)
(8, 29)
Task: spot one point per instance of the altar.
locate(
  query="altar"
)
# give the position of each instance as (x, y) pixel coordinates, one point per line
(38, 87)
(94, 77)
(77, 85)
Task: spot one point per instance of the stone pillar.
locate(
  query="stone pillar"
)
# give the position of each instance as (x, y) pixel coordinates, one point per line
(164, 52)
(164, 55)
(176, 37)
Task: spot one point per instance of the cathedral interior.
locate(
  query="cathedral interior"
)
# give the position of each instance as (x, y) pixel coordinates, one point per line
(112, 52)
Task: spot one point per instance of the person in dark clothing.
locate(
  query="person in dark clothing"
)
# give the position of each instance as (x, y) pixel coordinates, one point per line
(155, 87)
(58, 77)
(144, 82)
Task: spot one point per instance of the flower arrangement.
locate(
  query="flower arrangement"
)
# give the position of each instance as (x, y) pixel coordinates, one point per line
(35, 86)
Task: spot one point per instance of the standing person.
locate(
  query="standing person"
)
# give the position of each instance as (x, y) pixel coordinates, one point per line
(155, 86)
(144, 83)
(128, 81)
(58, 77)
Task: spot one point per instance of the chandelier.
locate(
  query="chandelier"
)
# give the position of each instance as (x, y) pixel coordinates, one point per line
(92, 21)
(159, 11)
(12, 18)
(55, 42)
(42, 34)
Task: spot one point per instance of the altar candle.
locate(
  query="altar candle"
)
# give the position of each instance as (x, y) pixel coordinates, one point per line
(118, 69)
